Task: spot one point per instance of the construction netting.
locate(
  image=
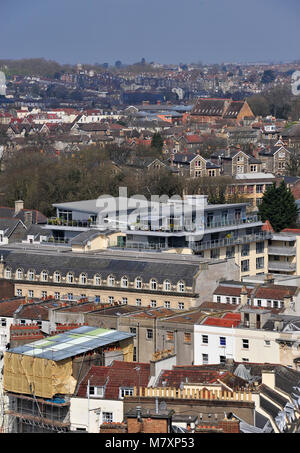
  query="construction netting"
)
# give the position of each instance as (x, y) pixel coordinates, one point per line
(35, 376)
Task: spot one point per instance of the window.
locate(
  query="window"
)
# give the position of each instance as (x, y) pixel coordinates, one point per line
(181, 287)
(223, 359)
(204, 359)
(19, 292)
(222, 341)
(83, 296)
(167, 304)
(230, 252)
(107, 417)
(181, 305)
(187, 337)
(245, 360)
(97, 299)
(245, 265)
(30, 293)
(3, 322)
(111, 299)
(19, 274)
(267, 342)
(111, 280)
(125, 391)
(70, 296)
(133, 330)
(215, 253)
(253, 168)
(138, 283)
(259, 302)
(275, 303)
(245, 343)
(170, 335)
(260, 247)
(57, 295)
(7, 273)
(259, 188)
(124, 300)
(70, 277)
(44, 276)
(57, 277)
(44, 294)
(124, 282)
(149, 334)
(153, 284)
(153, 303)
(83, 279)
(96, 392)
(134, 354)
(260, 262)
(227, 300)
(97, 280)
(234, 300)
(218, 298)
(138, 302)
(167, 285)
(205, 339)
(31, 275)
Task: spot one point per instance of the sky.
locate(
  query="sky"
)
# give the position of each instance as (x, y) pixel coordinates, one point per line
(164, 31)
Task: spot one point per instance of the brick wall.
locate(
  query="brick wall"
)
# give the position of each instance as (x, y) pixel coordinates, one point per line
(147, 425)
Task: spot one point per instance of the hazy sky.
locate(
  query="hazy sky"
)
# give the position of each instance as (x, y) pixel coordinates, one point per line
(166, 31)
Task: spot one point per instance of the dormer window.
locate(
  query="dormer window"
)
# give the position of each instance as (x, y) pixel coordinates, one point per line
(44, 276)
(125, 391)
(111, 280)
(83, 279)
(153, 284)
(95, 392)
(31, 275)
(57, 277)
(19, 274)
(124, 282)
(138, 283)
(7, 273)
(167, 285)
(97, 280)
(70, 277)
(181, 287)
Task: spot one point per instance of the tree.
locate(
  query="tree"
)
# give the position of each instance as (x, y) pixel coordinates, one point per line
(279, 207)
(268, 76)
(157, 141)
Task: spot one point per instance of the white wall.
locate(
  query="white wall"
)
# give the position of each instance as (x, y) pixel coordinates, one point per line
(213, 348)
(81, 415)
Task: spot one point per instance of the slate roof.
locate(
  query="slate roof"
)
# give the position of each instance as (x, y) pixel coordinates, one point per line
(286, 379)
(233, 109)
(37, 216)
(9, 225)
(209, 107)
(103, 265)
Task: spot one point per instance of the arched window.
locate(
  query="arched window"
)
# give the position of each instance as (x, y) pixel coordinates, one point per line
(97, 280)
(57, 277)
(31, 274)
(19, 274)
(138, 283)
(167, 285)
(83, 279)
(70, 277)
(153, 284)
(44, 276)
(124, 282)
(111, 280)
(8, 272)
(181, 286)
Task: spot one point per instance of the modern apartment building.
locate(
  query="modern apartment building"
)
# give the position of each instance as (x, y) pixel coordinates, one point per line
(284, 252)
(188, 226)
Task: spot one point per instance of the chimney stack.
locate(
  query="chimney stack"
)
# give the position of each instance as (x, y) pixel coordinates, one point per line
(19, 205)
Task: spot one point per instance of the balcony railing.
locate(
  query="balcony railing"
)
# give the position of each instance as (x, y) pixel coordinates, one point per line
(285, 251)
(281, 266)
(230, 241)
(71, 223)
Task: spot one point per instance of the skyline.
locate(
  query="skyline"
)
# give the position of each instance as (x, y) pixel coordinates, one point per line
(211, 31)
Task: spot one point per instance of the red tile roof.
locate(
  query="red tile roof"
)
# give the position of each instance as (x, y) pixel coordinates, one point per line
(229, 320)
(120, 374)
(267, 226)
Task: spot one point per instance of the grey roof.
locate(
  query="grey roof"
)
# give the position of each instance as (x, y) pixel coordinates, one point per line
(9, 225)
(286, 379)
(71, 343)
(100, 264)
(86, 236)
